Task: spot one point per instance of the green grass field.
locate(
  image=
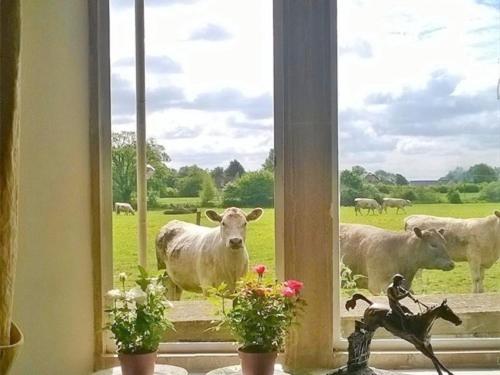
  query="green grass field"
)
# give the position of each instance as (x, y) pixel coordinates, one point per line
(260, 241)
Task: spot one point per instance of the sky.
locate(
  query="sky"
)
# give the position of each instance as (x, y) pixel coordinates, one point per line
(417, 82)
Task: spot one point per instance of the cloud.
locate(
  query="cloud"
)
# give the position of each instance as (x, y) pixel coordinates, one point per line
(429, 32)
(437, 121)
(157, 99)
(210, 32)
(228, 99)
(249, 128)
(122, 100)
(491, 3)
(124, 4)
(181, 132)
(436, 109)
(154, 64)
(358, 47)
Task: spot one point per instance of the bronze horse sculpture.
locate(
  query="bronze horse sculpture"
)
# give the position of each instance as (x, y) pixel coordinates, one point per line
(417, 328)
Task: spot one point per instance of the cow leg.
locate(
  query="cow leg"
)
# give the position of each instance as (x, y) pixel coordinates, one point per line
(173, 292)
(475, 273)
(481, 279)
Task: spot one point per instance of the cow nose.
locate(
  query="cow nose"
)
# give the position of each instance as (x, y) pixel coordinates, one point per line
(235, 241)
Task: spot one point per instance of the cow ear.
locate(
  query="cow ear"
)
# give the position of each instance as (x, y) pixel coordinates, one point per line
(255, 214)
(213, 216)
(441, 231)
(497, 213)
(418, 232)
(444, 302)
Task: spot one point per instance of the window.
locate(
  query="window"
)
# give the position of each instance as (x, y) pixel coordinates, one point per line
(307, 157)
(417, 111)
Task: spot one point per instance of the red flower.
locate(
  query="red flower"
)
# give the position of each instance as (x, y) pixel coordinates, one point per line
(287, 291)
(295, 285)
(260, 269)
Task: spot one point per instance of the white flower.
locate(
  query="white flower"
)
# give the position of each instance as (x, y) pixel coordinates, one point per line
(155, 289)
(122, 276)
(114, 294)
(136, 294)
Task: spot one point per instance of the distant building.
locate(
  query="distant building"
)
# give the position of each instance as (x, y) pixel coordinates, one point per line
(424, 182)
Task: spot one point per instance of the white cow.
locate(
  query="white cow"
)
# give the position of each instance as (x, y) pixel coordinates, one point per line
(476, 241)
(124, 207)
(397, 203)
(367, 203)
(197, 258)
(379, 254)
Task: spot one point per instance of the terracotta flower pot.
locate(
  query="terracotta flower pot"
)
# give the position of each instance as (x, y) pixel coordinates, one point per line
(9, 353)
(257, 363)
(137, 364)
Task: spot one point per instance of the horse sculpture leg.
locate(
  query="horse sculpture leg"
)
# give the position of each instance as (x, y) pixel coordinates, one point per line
(435, 359)
(429, 354)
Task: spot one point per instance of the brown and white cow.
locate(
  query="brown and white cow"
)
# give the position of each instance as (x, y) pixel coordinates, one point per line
(475, 240)
(379, 254)
(197, 258)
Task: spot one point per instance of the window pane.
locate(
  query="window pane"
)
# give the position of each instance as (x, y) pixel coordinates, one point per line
(209, 127)
(419, 122)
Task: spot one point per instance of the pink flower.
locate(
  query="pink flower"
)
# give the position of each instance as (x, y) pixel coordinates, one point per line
(260, 269)
(295, 285)
(288, 292)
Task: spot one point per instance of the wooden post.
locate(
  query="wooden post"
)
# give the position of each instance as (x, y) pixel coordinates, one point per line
(305, 113)
(198, 217)
(140, 84)
(10, 32)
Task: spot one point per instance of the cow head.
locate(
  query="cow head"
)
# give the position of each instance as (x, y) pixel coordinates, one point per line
(408, 202)
(233, 225)
(432, 252)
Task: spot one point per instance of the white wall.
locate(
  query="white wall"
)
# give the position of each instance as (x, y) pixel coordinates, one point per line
(53, 301)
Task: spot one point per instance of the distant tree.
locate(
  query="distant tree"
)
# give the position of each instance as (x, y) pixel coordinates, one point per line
(385, 177)
(269, 162)
(123, 159)
(491, 192)
(350, 179)
(482, 173)
(218, 175)
(233, 171)
(208, 191)
(359, 170)
(190, 180)
(454, 197)
(456, 175)
(251, 190)
(400, 180)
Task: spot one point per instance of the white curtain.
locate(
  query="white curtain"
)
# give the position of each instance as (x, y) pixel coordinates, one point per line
(10, 20)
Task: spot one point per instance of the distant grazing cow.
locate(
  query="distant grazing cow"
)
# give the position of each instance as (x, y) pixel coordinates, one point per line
(397, 203)
(124, 207)
(366, 203)
(197, 258)
(378, 254)
(476, 241)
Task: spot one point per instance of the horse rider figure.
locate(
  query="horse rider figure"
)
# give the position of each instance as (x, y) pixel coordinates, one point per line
(395, 293)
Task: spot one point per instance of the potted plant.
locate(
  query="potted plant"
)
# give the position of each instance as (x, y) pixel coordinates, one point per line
(137, 320)
(260, 317)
